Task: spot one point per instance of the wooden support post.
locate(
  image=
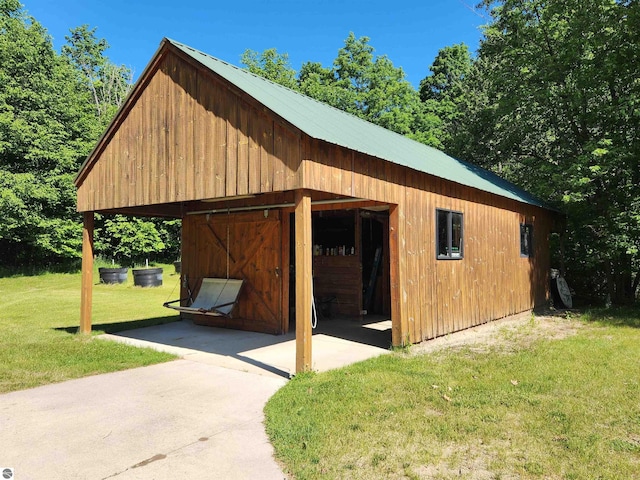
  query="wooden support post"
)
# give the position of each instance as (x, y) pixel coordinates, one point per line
(398, 330)
(303, 280)
(86, 292)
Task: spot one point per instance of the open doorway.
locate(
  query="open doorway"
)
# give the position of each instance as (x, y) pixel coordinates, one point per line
(337, 277)
(351, 282)
(376, 298)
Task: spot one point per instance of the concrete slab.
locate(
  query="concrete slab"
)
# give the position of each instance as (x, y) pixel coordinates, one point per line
(180, 419)
(335, 343)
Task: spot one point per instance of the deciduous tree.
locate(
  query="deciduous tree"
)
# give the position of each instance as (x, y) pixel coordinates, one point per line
(557, 97)
(46, 129)
(129, 241)
(108, 83)
(53, 108)
(443, 92)
(358, 82)
(271, 65)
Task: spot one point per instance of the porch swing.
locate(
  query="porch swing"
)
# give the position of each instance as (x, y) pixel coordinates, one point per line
(216, 297)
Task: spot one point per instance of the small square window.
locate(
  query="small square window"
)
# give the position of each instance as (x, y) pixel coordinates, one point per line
(450, 233)
(526, 240)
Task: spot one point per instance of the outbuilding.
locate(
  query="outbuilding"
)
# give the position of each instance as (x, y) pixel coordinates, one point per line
(304, 202)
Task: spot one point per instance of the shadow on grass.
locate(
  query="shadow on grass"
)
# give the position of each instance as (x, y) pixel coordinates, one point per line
(123, 326)
(615, 316)
(31, 271)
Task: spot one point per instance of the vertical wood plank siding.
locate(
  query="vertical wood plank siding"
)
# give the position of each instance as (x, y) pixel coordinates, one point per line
(436, 296)
(245, 246)
(190, 136)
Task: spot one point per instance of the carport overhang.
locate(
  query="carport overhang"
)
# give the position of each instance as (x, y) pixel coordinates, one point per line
(301, 202)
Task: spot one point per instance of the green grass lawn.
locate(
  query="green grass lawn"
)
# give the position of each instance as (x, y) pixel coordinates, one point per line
(525, 407)
(565, 408)
(39, 316)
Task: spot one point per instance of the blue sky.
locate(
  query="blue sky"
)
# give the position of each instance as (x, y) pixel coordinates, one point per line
(410, 33)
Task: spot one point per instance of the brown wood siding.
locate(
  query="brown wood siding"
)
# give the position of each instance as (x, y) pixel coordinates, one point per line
(442, 296)
(338, 280)
(491, 281)
(187, 136)
(250, 246)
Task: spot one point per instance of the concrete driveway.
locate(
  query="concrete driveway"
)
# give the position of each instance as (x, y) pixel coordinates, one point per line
(199, 417)
(181, 419)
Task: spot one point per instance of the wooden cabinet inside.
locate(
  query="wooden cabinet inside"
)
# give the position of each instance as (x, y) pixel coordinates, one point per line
(337, 284)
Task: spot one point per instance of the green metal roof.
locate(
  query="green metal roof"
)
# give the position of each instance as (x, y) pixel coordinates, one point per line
(324, 122)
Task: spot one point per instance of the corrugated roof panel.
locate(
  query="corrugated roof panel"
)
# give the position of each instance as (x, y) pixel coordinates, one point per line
(324, 122)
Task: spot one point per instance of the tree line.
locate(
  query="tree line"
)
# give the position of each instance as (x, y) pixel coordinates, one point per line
(550, 101)
(53, 108)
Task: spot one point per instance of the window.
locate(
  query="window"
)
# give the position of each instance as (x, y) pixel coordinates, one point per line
(450, 233)
(526, 240)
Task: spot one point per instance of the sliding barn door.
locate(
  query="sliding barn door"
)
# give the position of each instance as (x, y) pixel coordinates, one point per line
(245, 246)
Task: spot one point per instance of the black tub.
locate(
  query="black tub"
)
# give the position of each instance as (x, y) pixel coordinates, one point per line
(147, 277)
(113, 275)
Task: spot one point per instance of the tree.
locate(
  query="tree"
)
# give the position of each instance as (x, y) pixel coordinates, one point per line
(470, 134)
(358, 82)
(129, 241)
(368, 86)
(53, 109)
(320, 83)
(271, 65)
(443, 91)
(170, 235)
(108, 83)
(46, 129)
(556, 92)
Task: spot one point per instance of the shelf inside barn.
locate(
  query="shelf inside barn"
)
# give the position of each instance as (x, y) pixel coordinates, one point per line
(337, 267)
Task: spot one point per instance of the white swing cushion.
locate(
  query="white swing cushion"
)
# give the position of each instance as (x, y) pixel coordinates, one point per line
(217, 294)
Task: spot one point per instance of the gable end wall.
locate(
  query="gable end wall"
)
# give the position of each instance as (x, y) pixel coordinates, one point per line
(189, 137)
